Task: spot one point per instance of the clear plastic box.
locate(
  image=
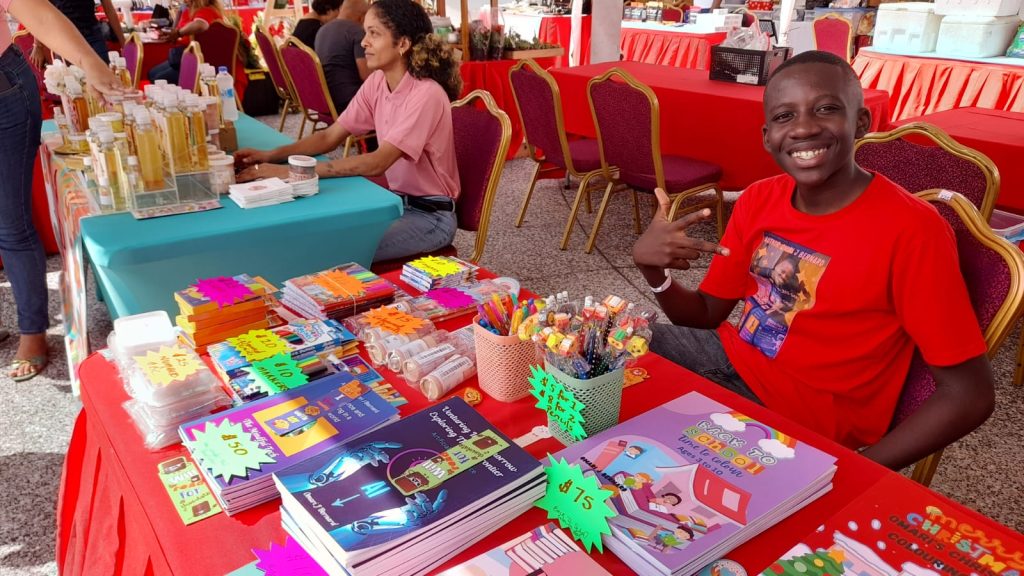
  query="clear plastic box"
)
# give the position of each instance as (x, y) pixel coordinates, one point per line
(976, 36)
(195, 379)
(196, 406)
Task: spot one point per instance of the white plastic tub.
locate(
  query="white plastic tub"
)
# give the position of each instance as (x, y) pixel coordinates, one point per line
(907, 27)
(976, 36)
(977, 7)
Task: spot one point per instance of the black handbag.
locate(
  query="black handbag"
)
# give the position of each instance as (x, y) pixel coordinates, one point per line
(261, 97)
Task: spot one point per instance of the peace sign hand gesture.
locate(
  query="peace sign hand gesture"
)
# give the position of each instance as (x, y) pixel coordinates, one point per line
(666, 245)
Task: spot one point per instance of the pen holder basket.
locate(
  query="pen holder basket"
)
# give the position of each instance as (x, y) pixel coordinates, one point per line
(503, 364)
(601, 398)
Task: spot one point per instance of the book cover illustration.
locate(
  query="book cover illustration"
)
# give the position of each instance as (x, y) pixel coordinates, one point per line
(302, 338)
(899, 528)
(412, 473)
(693, 472)
(294, 425)
(545, 550)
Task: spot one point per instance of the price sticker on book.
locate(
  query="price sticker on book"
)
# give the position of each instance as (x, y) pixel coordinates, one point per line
(228, 450)
(394, 321)
(436, 267)
(256, 345)
(577, 502)
(558, 402)
(291, 558)
(222, 290)
(340, 284)
(450, 298)
(278, 373)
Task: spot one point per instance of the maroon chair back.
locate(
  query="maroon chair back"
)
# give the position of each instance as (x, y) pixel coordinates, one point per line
(132, 53)
(272, 57)
(947, 165)
(535, 93)
(833, 33)
(219, 45)
(671, 15)
(307, 78)
(188, 71)
(625, 116)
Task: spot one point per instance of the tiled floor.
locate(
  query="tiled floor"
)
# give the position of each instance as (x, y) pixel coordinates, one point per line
(980, 471)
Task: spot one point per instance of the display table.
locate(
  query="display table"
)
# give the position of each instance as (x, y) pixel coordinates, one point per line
(714, 121)
(492, 76)
(666, 45)
(551, 29)
(923, 85)
(995, 133)
(114, 516)
(245, 13)
(140, 263)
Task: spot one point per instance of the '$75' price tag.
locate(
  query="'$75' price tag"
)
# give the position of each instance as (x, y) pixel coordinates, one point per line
(577, 502)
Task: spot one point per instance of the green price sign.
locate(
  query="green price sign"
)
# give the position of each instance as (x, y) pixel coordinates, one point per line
(558, 402)
(577, 502)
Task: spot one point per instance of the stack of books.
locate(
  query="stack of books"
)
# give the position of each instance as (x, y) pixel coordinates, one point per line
(337, 293)
(206, 318)
(545, 550)
(239, 449)
(693, 479)
(431, 272)
(266, 192)
(376, 507)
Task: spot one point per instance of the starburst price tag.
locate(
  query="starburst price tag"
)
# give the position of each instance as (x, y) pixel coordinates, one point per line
(222, 290)
(558, 402)
(340, 284)
(256, 345)
(577, 502)
(394, 321)
(436, 267)
(278, 373)
(450, 298)
(228, 450)
(168, 365)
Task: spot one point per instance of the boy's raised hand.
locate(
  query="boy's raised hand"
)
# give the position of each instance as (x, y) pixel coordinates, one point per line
(665, 244)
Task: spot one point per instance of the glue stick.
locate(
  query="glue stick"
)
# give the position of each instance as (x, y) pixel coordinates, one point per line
(379, 349)
(398, 356)
(459, 342)
(447, 376)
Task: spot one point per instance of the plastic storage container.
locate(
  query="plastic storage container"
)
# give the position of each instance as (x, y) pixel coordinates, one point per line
(908, 27)
(978, 7)
(976, 36)
(135, 335)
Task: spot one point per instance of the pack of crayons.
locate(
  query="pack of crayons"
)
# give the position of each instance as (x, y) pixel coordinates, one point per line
(337, 293)
(303, 338)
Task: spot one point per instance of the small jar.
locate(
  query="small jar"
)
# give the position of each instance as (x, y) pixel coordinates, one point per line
(213, 136)
(301, 168)
(79, 144)
(222, 173)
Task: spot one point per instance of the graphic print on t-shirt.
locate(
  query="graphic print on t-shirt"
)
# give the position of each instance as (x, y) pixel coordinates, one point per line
(787, 276)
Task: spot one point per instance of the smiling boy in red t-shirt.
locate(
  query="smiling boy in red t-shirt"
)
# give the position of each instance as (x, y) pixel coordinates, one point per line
(842, 275)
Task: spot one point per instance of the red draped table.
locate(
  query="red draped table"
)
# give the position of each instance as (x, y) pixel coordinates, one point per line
(245, 14)
(920, 85)
(114, 515)
(667, 47)
(997, 134)
(557, 29)
(713, 121)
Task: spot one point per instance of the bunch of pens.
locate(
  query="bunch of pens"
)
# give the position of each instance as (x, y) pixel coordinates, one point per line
(588, 339)
(502, 316)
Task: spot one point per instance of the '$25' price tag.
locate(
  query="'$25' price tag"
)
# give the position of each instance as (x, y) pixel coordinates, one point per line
(577, 502)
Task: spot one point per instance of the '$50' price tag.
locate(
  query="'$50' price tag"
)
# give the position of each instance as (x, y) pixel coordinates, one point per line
(577, 502)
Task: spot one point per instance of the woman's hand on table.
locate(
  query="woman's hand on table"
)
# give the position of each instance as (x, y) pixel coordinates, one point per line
(666, 245)
(258, 171)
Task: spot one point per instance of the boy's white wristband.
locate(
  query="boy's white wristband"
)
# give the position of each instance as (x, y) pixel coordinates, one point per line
(664, 286)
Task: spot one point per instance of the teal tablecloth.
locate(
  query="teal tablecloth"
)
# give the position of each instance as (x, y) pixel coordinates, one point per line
(140, 263)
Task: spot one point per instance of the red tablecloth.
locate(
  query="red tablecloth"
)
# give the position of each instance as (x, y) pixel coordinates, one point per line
(714, 121)
(997, 134)
(925, 85)
(114, 516)
(492, 76)
(681, 49)
(245, 14)
(557, 30)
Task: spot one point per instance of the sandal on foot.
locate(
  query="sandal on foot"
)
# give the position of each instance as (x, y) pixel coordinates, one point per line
(35, 364)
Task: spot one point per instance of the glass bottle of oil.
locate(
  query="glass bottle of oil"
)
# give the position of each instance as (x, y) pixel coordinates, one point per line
(110, 155)
(177, 135)
(78, 108)
(197, 135)
(147, 144)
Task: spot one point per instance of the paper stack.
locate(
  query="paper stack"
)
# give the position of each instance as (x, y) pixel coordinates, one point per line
(431, 272)
(215, 309)
(307, 187)
(265, 192)
(337, 293)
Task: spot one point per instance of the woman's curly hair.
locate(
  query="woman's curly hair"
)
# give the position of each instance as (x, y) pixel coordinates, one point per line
(430, 56)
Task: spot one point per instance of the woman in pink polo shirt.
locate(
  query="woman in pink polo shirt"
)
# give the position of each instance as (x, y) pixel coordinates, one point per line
(407, 101)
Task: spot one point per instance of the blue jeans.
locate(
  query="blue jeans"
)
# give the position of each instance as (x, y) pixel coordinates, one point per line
(699, 351)
(20, 247)
(417, 232)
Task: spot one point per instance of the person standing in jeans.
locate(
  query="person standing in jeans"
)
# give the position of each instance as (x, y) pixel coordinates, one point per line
(83, 14)
(20, 121)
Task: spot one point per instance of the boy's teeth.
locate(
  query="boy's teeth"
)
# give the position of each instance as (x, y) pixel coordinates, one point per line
(806, 154)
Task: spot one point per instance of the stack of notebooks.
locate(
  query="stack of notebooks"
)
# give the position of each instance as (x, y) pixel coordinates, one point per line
(308, 343)
(377, 506)
(543, 551)
(337, 293)
(204, 321)
(266, 192)
(238, 450)
(431, 272)
(693, 479)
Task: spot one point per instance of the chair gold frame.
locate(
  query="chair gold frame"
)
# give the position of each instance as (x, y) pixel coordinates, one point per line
(194, 48)
(311, 115)
(499, 165)
(612, 176)
(289, 102)
(947, 143)
(849, 33)
(134, 38)
(1010, 310)
(584, 177)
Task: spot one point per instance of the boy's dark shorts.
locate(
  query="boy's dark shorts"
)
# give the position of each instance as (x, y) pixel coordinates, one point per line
(701, 352)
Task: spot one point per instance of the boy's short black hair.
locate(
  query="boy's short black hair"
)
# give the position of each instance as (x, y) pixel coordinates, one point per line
(817, 57)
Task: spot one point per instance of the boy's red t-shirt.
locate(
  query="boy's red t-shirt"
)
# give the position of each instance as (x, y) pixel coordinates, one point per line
(835, 304)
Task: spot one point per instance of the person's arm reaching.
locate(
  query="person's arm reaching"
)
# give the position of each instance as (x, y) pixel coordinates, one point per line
(317, 143)
(964, 398)
(665, 245)
(54, 30)
(372, 164)
(113, 20)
